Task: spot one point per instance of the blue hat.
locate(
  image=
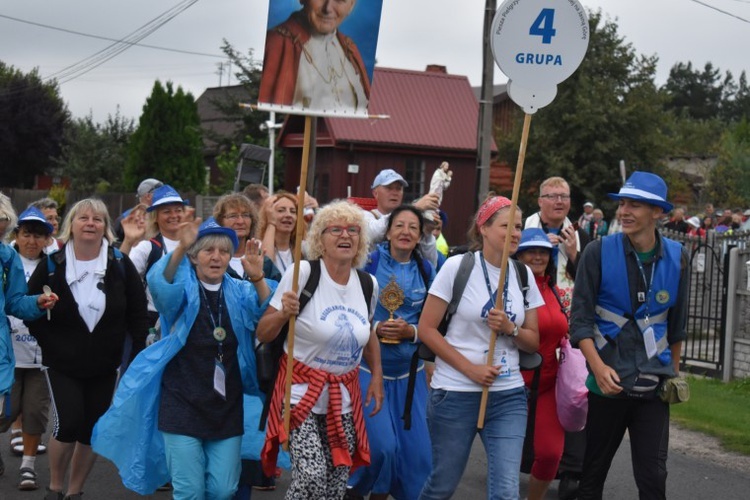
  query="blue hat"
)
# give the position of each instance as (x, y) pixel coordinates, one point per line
(646, 187)
(533, 238)
(165, 195)
(386, 177)
(210, 226)
(33, 214)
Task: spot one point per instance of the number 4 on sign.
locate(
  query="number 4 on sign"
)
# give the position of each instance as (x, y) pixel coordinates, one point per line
(542, 26)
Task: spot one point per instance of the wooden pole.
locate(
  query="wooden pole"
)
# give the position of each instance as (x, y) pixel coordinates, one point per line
(295, 276)
(506, 254)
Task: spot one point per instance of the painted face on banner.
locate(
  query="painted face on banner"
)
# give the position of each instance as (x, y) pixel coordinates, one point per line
(325, 16)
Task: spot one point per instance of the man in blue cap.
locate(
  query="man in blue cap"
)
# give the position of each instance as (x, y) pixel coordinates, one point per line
(388, 191)
(631, 337)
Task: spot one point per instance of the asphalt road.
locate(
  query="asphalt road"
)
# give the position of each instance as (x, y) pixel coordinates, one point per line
(690, 477)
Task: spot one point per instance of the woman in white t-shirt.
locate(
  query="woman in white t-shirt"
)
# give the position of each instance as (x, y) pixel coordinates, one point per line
(332, 334)
(461, 370)
(166, 213)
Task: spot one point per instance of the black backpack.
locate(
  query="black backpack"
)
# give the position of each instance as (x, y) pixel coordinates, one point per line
(268, 354)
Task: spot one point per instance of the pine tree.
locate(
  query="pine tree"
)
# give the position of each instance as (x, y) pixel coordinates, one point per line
(167, 144)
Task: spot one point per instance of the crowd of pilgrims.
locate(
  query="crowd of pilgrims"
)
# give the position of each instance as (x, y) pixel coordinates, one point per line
(166, 310)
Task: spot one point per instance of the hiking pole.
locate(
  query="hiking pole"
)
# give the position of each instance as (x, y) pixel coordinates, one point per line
(506, 254)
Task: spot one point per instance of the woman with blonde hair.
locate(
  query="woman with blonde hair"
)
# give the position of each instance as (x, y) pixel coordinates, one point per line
(101, 300)
(145, 246)
(333, 332)
(278, 222)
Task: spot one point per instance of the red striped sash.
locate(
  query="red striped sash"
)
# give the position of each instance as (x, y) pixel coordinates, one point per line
(316, 380)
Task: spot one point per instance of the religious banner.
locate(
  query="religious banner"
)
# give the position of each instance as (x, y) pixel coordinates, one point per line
(319, 57)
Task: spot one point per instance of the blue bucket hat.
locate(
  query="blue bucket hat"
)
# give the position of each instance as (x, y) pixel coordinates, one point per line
(33, 214)
(645, 187)
(210, 226)
(165, 195)
(388, 176)
(533, 238)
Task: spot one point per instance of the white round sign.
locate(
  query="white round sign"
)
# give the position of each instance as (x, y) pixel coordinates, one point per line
(538, 44)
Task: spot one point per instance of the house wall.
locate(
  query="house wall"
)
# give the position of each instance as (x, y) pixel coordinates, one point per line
(332, 179)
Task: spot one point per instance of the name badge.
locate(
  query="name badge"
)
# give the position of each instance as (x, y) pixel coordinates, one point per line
(220, 379)
(641, 297)
(649, 339)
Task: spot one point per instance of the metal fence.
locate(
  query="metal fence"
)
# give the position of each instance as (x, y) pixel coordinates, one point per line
(703, 352)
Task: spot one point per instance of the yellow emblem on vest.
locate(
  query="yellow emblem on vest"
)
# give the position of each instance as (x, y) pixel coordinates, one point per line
(662, 297)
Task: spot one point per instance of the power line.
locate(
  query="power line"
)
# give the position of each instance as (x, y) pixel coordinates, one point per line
(97, 59)
(99, 37)
(722, 11)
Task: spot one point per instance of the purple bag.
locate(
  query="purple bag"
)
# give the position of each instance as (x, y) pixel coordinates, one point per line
(570, 388)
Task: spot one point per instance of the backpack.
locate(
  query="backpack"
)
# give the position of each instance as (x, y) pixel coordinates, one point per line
(424, 266)
(268, 354)
(56, 257)
(157, 252)
(459, 285)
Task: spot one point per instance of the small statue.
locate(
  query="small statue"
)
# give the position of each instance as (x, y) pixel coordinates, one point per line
(441, 179)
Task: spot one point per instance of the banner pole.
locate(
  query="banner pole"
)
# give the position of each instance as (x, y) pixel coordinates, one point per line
(295, 276)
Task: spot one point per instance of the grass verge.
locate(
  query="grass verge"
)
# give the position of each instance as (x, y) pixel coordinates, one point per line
(718, 409)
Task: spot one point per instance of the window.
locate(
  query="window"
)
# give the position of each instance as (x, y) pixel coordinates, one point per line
(415, 177)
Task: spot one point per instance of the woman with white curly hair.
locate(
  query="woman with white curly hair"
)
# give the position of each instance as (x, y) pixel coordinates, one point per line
(327, 435)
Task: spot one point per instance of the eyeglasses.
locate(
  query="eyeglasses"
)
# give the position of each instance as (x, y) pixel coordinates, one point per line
(555, 197)
(237, 216)
(339, 230)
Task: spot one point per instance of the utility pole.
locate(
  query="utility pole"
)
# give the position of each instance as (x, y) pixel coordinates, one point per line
(220, 71)
(484, 125)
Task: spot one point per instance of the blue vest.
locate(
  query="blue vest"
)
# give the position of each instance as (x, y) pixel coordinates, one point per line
(613, 309)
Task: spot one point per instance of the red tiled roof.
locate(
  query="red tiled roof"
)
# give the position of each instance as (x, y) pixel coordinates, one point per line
(426, 109)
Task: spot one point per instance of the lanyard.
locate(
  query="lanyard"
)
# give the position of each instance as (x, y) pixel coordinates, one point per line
(281, 259)
(487, 282)
(219, 332)
(648, 284)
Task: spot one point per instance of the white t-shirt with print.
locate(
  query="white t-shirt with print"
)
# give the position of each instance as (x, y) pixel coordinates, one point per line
(468, 332)
(331, 330)
(139, 257)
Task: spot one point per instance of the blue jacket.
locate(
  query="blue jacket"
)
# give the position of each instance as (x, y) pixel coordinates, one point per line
(14, 302)
(395, 358)
(614, 307)
(128, 433)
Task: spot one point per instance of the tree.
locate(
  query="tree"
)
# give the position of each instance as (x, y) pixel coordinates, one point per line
(167, 144)
(608, 110)
(698, 93)
(93, 155)
(730, 181)
(32, 120)
(247, 73)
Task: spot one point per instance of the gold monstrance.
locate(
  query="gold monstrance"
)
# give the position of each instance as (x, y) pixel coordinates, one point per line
(392, 296)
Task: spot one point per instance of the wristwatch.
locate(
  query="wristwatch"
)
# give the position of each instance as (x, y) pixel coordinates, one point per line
(514, 333)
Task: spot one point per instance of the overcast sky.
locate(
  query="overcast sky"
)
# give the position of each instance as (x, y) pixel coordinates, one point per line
(413, 33)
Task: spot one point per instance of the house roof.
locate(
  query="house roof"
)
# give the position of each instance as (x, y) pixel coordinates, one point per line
(214, 120)
(427, 109)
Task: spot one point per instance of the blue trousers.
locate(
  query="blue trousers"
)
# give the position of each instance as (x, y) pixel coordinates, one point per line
(203, 469)
(452, 420)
